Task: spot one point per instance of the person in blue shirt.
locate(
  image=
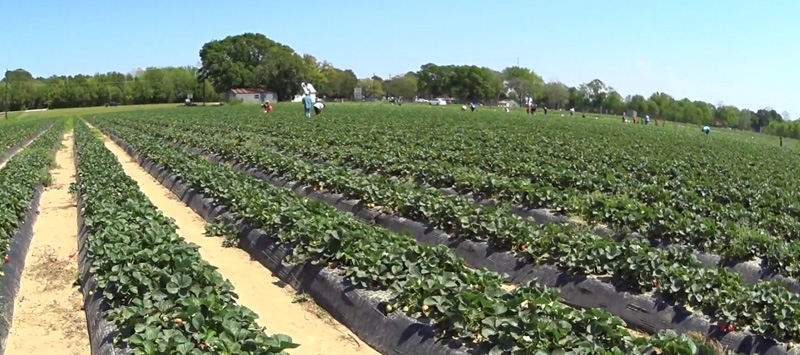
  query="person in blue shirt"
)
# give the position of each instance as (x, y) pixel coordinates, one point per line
(307, 104)
(472, 106)
(706, 130)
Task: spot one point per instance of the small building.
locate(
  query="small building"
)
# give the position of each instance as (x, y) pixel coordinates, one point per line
(252, 95)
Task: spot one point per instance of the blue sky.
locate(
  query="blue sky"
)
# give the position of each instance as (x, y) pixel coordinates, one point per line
(735, 51)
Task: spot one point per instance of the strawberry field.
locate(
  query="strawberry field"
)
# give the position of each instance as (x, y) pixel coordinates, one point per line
(690, 217)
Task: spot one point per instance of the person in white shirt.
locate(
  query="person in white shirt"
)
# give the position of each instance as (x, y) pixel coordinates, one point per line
(318, 108)
(572, 112)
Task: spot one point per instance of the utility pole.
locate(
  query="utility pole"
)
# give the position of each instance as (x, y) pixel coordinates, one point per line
(6, 103)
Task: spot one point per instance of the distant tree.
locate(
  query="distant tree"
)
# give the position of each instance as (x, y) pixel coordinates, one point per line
(340, 83)
(523, 82)
(434, 80)
(613, 103)
(474, 83)
(555, 94)
(371, 87)
(405, 86)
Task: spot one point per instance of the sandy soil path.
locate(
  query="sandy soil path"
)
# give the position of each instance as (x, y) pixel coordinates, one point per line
(48, 311)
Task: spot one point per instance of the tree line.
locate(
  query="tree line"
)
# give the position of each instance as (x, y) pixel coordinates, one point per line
(252, 60)
(19, 90)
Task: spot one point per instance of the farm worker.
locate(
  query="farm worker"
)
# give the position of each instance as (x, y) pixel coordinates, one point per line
(318, 108)
(267, 107)
(572, 112)
(624, 118)
(646, 119)
(463, 107)
(307, 103)
(472, 106)
(781, 142)
(706, 130)
(545, 110)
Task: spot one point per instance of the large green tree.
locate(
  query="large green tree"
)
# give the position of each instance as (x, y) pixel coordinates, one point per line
(253, 60)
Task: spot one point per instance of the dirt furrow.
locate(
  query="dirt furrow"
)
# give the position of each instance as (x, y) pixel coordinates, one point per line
(280, 308)
(48, 316)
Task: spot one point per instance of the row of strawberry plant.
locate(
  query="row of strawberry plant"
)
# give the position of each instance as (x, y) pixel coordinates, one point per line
(19, 179)
(645, 212)
(162, 296)
(15, 132)
(425, 282)
(674, 272)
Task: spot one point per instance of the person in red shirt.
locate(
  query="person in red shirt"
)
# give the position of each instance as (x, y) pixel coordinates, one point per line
(267, 107)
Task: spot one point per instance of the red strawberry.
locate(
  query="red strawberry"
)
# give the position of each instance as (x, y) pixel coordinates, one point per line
(655, 284)
(731, 328)
(7, 259)
(523, 248)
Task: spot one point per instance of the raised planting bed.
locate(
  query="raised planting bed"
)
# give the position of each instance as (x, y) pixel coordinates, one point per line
(146, 290)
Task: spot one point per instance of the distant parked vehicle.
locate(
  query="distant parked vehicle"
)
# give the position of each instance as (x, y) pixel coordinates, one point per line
(112, 103)
(438, 102)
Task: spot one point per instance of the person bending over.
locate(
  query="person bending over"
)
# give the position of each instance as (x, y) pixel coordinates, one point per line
(318, 108)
